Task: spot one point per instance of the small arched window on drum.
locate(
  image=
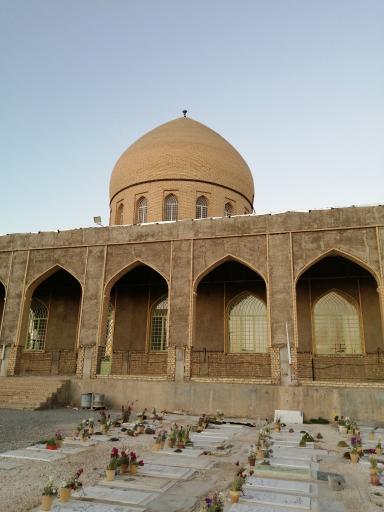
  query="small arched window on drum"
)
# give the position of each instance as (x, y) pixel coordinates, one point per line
(201, 208)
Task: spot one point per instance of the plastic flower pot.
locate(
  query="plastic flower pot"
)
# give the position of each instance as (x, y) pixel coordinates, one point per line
(64, 494)
(251, 461)
(171, 443)
(234, 495)
(110, 474)
(354, 458)
(371, 436)
(124, 469)
(51, 446)
(260, 455)
(375, 479)
(156, 447)
(133, 469)
(46, 502)
(59, 443)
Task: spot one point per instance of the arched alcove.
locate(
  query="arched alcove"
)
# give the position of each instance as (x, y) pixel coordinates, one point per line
(230, 337)
(50, 325)
(338, 322)
(135, 334)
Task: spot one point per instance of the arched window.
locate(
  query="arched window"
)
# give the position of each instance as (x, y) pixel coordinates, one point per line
(120, 214)
(159, 325)
(201, 208)
(228, 209)
(37, 326)
(247, 325)
(336, 325)
(109, 329)
(170, 207)
(141, 210)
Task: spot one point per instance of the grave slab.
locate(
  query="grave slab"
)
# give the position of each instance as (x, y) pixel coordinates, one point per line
(88, 506)
(291, 463)
(255, 507)
(144, 483)
(118, 496)
(170, 472)
(292, 453)
(187, 452)
(281, 472)
(277, 499)
(278, 485)
(77, 442)
(286, 416)
(7, 465)
(24, 454)
(179, 461)
(67, 449)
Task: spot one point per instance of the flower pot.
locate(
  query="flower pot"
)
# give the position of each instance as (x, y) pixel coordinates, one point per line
(59, 443)
(64, 494)
(180, 445)
(260, 455)
(110, 474)
(277, 428)
(371, 436)
(171, 443)
(46, 502)
(354, 458)
(124, 468)
(162, 444)
(133, 469)
(375, 480)
(379, 451)
(234, 495)
(103, 428)
(156, 447)
(251, 461)
(51, 446)
(91, 430)
(373, 471)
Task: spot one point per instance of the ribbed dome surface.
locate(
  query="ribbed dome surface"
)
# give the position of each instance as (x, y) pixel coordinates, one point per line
(182, 149)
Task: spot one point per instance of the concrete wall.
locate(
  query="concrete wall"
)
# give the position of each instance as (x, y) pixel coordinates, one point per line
(241, 400)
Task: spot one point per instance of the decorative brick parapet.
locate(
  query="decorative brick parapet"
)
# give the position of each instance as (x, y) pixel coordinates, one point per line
(233, 366)
(341, 368)
(171, 363)
(229, 380)
(275, 365)
(139, 363)
(13, 367)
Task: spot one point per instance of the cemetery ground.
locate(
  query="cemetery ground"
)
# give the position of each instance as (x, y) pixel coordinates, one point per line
(293, 481)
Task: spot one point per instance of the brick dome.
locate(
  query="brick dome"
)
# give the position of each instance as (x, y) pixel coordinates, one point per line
(178, 154)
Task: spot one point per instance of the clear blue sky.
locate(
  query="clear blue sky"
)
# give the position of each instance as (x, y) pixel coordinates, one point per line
(297, 86)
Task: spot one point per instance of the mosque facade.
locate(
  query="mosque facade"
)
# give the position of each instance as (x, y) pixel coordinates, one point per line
(190, 300)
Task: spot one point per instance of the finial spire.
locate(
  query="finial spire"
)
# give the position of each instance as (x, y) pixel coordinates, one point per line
(185, 113)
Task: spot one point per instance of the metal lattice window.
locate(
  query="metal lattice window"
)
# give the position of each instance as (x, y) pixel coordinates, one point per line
(120, 214)
(228, 209)
(141, 215)
(37, 326)
(170, 207)
(109, 330)
(201, 208)
(247, 325)
(159, 325)
(336, 325)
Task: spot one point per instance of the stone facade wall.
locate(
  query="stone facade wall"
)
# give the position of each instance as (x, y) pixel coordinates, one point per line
(278, 247)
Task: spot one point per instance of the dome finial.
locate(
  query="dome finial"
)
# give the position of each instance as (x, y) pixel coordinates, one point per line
(185, 113)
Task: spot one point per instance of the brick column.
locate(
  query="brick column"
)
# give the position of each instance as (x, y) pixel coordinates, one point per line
(171, 363)
(275, 365)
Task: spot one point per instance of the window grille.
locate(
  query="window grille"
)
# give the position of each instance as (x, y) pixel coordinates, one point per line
(37, 326)
(109, 330)
(247, 325)
(141, 210)
(336, 325)
(201, 208)
(170, 207)
(228, 209)
(120, 214)
(159, 325)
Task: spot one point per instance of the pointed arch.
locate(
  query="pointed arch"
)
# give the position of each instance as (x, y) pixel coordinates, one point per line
(120, 273)
(37, 326)
(32, 285)
(159, 319)
(220, 261)
(119, 219)
(228, 209)
(171, 208)
(336, 324)
(342, 254)
(201, 207)
(247, 324)
(141, 210)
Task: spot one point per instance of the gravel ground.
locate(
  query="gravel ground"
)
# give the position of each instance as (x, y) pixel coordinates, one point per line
(22, 428)
(20, 488)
